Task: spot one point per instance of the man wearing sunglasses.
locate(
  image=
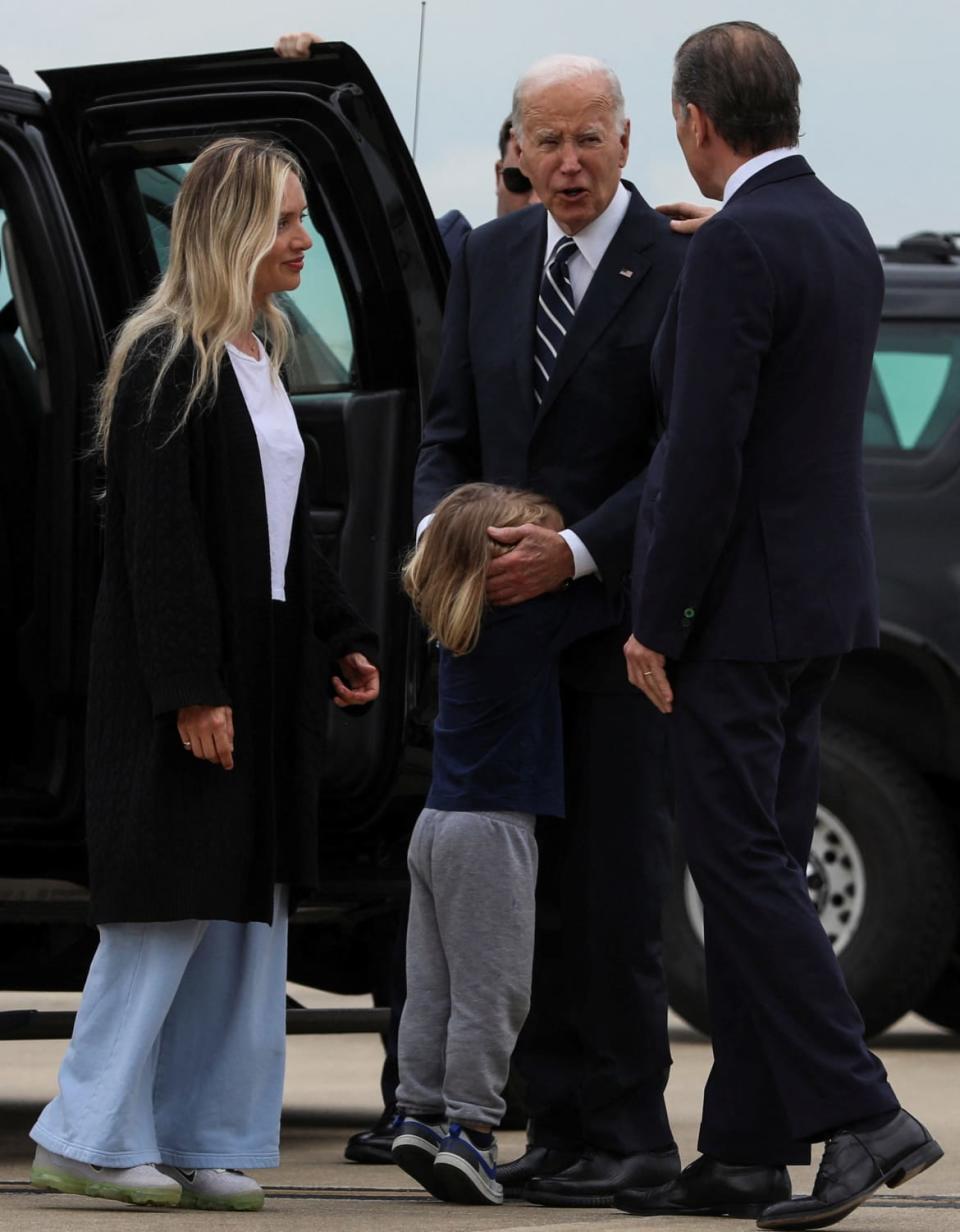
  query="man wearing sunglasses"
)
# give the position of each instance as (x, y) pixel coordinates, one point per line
(514, 190)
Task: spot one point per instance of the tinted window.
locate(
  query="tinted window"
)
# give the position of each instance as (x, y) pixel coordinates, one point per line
(322, 356)
(8, 319)
(914, 396)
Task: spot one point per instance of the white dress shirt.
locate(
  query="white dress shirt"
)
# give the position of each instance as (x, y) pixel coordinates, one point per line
(752, 166)
(281, 453)
(592, 242)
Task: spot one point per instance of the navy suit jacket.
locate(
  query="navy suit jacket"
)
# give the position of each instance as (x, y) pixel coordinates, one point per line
(753, 540)
(454, 229)
(587, 444)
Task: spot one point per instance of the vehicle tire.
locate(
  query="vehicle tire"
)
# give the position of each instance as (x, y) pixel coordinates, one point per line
(941, 1005)
(883, 874)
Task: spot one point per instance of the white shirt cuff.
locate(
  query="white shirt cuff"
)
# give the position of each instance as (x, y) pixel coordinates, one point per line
(583, 562)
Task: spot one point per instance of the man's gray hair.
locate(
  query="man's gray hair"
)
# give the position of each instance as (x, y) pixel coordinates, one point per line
(552, 70)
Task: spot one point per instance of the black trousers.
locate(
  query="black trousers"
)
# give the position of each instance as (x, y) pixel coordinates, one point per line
(594, 1055)
(790, 1062)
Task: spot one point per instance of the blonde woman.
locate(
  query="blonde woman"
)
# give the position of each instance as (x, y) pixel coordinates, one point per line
(214, 625)
(497, 764)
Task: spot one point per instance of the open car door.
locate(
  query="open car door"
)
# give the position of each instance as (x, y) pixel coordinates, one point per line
(367, 318)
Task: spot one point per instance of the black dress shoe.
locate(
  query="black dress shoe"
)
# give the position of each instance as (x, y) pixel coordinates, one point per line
(594, 1179)
(854, 1164)
(710, 1187)
(535, 1161)
(372, 1146)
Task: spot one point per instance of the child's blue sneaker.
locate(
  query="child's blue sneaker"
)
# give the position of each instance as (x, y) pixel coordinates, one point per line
(415, 1148)
(466, 1173)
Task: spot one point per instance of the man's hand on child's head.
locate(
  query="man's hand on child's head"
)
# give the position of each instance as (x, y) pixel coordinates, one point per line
(539, 560)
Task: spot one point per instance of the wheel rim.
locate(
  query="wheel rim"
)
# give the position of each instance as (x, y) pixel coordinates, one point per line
(836, 881)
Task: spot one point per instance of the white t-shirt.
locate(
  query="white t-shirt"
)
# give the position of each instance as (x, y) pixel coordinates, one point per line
(281, 453)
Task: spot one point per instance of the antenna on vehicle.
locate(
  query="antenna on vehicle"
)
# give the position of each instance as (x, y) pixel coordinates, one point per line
(416, 110)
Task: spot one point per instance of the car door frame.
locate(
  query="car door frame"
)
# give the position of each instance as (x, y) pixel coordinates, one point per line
(51, 650)
(383, 242)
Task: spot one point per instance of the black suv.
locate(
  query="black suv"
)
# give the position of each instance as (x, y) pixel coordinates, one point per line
(87, 180)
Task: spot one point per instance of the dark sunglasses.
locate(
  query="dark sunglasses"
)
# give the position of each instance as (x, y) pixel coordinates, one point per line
(514, 181)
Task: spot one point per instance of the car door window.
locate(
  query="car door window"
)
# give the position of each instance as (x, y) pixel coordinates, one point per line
(914, 396)
(8, 315)
(323, 348)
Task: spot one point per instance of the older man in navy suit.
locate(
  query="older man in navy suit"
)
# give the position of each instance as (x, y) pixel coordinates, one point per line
(544, 383)
(753, 574)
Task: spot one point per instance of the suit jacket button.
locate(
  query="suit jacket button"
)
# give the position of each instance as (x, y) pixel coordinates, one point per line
(688, 613)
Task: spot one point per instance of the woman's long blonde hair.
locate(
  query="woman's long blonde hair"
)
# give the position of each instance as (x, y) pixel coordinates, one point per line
(445, 575)
(224, 222)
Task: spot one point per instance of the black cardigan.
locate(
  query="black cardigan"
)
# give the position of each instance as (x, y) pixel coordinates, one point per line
(185, 616)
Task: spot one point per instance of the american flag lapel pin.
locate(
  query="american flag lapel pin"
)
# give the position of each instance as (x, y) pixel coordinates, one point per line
(625, 273)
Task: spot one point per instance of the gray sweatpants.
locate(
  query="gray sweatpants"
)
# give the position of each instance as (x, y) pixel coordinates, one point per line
(469, 961)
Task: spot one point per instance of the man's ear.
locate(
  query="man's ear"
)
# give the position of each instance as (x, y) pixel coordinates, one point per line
(497, 168)
(701, 126)
(625, 143)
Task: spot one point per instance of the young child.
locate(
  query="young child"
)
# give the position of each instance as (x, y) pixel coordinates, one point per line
(497, 764)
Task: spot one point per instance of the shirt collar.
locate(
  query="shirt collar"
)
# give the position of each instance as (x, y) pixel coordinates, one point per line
(594, 239)
(752, 166)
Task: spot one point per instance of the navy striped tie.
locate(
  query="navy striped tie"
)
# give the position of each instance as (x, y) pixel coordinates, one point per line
(555, 311)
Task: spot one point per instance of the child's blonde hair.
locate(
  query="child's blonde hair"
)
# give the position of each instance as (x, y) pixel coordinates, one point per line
(445, 575)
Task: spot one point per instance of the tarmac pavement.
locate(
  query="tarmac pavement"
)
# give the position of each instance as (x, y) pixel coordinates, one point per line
(332, 1090)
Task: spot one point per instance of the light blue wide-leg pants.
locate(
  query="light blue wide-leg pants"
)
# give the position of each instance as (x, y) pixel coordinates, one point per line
(178, 1051)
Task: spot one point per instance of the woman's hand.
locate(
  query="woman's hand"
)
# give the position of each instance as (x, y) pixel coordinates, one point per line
(207, 733)
(362, 681)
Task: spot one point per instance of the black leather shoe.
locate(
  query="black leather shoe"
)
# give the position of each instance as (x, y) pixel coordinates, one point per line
(594, 1179)
(854, 1164)
(372, 1146)
(535, 1161)
(710, 1187)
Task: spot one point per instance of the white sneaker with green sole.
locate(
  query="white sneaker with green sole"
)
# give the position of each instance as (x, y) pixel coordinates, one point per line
(143, 1185)
(215, 1189)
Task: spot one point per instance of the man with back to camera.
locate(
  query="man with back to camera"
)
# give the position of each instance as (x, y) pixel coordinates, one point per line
(753, 574)
(544, 383)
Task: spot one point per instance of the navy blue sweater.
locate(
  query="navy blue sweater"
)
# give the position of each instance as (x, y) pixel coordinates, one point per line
(498, 739)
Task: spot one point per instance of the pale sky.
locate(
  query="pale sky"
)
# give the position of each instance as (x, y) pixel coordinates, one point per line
(878, 96)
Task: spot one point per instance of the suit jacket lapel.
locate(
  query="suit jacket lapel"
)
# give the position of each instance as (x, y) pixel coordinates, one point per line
(622, 269)
(522, 271)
